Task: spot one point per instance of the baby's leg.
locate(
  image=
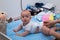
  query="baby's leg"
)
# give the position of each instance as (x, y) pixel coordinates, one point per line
(45, 30)
(53, 28)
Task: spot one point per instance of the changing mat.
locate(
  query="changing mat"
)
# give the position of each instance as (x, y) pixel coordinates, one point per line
(12, 35)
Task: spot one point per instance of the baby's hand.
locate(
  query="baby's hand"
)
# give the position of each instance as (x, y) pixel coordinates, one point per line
(15, 30)
(19, 35)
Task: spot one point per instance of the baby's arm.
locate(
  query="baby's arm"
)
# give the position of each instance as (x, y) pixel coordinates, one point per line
(54, 33)
(17, 29)
(23, 34)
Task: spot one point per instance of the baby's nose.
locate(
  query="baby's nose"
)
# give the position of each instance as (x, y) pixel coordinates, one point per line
(24, 17)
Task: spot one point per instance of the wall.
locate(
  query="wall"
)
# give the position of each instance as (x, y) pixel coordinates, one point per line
(30, 2)
(11, 7)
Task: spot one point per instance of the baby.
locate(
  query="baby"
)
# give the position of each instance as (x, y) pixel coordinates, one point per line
(29, 26)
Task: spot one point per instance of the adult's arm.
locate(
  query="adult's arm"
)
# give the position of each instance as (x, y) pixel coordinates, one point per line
(55, 34)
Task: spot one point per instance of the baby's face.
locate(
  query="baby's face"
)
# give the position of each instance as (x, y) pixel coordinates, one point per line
(25, 17)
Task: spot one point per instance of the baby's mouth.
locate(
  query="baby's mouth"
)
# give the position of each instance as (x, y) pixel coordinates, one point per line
(24, 20)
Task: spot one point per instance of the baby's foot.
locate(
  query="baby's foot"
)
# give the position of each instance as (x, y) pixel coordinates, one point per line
(54, 28)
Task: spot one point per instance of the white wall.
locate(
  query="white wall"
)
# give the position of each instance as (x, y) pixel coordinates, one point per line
(13, 8)
(28, 2)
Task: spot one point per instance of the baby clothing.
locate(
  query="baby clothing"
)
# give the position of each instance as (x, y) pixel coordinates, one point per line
(32, 26)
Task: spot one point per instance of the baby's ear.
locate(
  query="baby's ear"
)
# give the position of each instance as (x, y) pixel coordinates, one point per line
(30, 17)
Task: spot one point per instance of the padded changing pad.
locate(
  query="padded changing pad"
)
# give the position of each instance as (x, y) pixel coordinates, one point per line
(12, 35)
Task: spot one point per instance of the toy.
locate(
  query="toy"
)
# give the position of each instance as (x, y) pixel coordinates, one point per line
(2, 17)
(47, 17)
(3, 22)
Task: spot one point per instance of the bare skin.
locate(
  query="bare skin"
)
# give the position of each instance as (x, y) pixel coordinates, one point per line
(54, 33)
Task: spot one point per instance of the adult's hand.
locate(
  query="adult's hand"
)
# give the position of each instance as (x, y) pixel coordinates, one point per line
(49, 23)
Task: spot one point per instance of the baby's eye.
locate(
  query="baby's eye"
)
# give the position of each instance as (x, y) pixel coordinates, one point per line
(22, 16)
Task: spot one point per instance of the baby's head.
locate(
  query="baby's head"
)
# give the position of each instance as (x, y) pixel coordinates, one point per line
(25, 16)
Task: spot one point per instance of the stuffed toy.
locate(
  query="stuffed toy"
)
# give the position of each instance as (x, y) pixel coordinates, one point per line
(3, 18)
(3, 21)
(48, 17)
